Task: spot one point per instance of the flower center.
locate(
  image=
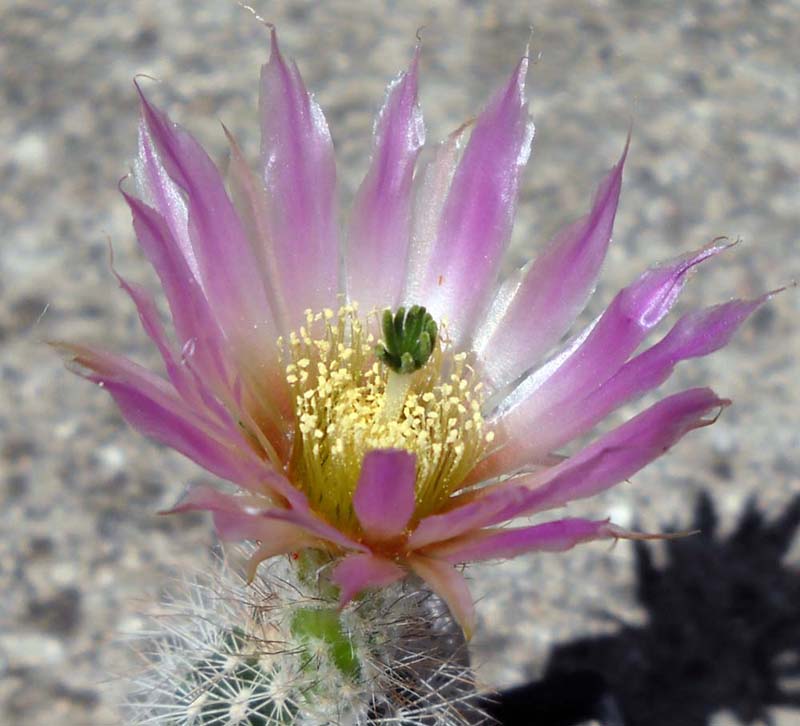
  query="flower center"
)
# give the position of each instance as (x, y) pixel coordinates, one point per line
(351, 399)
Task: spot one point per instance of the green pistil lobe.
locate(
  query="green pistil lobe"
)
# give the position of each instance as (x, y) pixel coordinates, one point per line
(408, 339)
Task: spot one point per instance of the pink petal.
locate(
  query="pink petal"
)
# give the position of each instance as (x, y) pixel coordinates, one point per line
(537, 306)
(449, 585)
(194, 322)
(191, 387)
(300, 176)
(620, 453)
(156, 189)
(495, 544)
(239, 518)
(236, 517)
(250, 198)
(384, 497)
(695, 334)
(478, 215)
(151, 323)
(465, 518)
(154, 408)
(230, 276)
(590, 361)
(432, 185)
(206, 350)
(167, 422)
(380, 222)
(206, 498)
(316, 526)
(358, 572)
(611, 459)
(272, 548)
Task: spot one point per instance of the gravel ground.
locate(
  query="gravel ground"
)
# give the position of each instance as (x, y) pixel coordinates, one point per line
(712, 90)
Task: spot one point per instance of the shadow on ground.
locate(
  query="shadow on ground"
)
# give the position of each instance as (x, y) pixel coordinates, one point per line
(723, 633)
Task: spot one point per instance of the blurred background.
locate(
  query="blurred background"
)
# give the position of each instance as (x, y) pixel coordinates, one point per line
(713, 92)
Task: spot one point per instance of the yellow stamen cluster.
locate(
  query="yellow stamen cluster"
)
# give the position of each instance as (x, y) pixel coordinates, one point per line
(348, 403)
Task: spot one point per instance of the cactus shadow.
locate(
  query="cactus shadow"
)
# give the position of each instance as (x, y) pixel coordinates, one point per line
(722, 633)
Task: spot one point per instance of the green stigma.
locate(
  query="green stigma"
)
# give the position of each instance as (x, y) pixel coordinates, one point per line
(408, 339)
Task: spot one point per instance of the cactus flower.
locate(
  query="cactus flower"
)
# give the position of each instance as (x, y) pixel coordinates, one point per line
(377, 393)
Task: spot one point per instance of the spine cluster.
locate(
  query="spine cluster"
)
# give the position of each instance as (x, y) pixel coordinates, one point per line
(278, 651)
